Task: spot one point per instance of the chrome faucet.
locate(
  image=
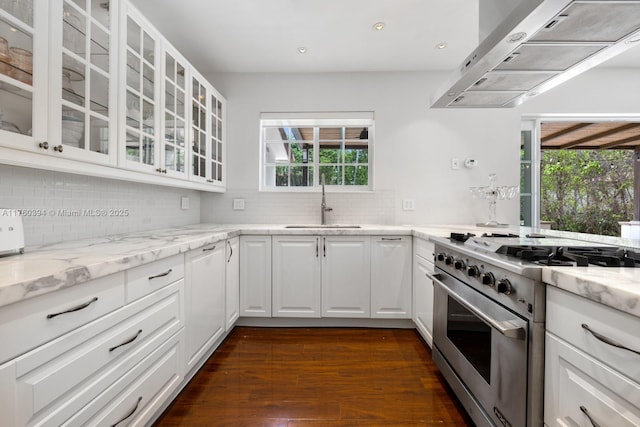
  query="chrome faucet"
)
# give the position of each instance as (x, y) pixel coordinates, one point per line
(323, 206)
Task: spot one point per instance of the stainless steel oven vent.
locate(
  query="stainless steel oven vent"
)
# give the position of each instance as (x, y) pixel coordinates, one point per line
(541, 44)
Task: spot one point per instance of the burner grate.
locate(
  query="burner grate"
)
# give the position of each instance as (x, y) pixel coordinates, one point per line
(574, 256)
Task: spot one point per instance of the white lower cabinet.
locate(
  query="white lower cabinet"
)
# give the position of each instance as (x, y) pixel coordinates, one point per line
(592, 366)
(423, 288)
(391, 277)
(255, 276)
(204, 300)
(232, 281)
(346, 276)
(67, 380)
(296, 276)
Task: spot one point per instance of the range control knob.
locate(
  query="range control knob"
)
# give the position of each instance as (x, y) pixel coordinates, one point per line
(459, 264)
(487, 279)
(448, 260)
(473, 271)
(503, 286)
(440, 256)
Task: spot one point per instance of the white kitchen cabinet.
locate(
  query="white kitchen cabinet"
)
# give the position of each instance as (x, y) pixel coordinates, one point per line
(423, 288)
(391, 277)
(232, 281)
(588, 380)
(204, 300)
(296, 276)
(346, 276)
(71, 113)
(255, 276)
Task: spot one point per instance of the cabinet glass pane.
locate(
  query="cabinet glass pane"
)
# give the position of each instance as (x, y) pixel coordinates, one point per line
(20, 9)
(133, 146)
(214, 171)
(149, 46)
(148, 81)
(170, 100)
(180, 76)
(133, 71)
(180, 132)
(99, 135)
(99, 48)
(100, 11)
(219, 152)
(180, 110)
(219, 172)
(81, 3)
(73, 82)
(170, 67)
(133, 110)
(148, 147)
(72, 128)
(74, 30)
(203, 143)
(133, 36)
(148, 119)
(195, 89)
(219, 129)
(16, 105)
(219, 109)
(99, 93)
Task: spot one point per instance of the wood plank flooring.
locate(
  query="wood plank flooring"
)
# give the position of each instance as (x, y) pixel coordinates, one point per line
(291, 377)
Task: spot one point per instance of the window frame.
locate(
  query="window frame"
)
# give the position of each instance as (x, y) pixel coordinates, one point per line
(318, 121)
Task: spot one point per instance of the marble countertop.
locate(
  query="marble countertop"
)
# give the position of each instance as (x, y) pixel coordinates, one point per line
(47, 268)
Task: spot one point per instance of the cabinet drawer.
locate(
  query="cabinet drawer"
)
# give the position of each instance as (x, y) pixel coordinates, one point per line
(150, 277)
(58, 379)
(423, 248)
(578, 385)
(135, 398)
(30, 323)
(566, 315)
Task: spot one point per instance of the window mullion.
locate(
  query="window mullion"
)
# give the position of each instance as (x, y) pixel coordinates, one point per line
(316, 156)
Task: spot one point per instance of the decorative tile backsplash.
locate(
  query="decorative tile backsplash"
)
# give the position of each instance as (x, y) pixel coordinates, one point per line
(61, 207)
(299, 208)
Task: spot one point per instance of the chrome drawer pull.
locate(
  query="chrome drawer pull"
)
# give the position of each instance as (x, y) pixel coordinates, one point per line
(129, 341)
(129, 414)
(209, 249)
(71, 310)
(392, 238)
(608, 340)
(166, 273)
(230, 251)
(593, 423)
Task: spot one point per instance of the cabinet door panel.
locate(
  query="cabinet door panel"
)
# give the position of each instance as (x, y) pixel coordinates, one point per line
(423, 298)
(233, 281)
(391, 277)
(255, 276)
(346, 276)
(205, 299)
(296, 276)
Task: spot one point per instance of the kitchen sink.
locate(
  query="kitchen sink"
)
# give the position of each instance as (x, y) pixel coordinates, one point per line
(322, 226)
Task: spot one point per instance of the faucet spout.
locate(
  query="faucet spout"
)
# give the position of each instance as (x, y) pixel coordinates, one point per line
(323, 206)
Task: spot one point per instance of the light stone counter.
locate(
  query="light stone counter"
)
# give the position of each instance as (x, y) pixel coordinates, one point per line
(47, 268)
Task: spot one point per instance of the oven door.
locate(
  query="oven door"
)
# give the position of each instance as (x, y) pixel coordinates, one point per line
(485, 345)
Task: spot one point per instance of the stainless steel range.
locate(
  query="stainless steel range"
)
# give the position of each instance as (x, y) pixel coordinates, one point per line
(489, 314)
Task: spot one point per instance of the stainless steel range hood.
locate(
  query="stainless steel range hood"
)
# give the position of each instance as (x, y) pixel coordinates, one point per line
(541, 44)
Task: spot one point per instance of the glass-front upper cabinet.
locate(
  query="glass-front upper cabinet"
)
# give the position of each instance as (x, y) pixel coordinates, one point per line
(23, 76)
(174, 121)
(207, 107)
(84, 90)
(139, 94)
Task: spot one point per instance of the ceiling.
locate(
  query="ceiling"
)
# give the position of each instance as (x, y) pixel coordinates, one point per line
(264, 35)
(589, 135)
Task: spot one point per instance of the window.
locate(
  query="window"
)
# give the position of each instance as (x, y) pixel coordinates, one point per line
(299, 150)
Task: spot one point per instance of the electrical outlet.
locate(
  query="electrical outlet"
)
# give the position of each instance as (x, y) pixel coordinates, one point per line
(184, 203)
(238, 204)
(455, 163)
(408, 205)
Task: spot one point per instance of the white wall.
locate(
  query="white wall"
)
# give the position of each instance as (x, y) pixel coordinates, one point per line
(59, 195)
(413, 148)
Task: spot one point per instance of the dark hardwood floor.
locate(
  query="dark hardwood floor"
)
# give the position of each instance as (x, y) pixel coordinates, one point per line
(318, 377)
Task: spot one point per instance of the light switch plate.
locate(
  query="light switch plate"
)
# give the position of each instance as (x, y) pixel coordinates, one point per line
(238, 204)
(408, 205)
(184, 203)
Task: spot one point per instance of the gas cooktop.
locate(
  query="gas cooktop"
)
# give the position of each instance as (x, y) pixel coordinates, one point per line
(552, 251)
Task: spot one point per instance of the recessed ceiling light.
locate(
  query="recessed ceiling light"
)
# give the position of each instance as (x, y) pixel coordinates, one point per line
(302, 49)
(378, 26)
(441, 45)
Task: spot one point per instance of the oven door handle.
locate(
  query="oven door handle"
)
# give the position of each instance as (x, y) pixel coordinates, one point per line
(506, 327)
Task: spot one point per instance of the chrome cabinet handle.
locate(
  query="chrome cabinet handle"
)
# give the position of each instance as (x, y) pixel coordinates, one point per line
(209, 249)
(324, 247)
(591, 420)
(392, 238)
(606, 340)
(166, 273)
(317, 247)
(230, 251)
(129, 341)
(506, 327)
(71, 310)
(133, 411)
